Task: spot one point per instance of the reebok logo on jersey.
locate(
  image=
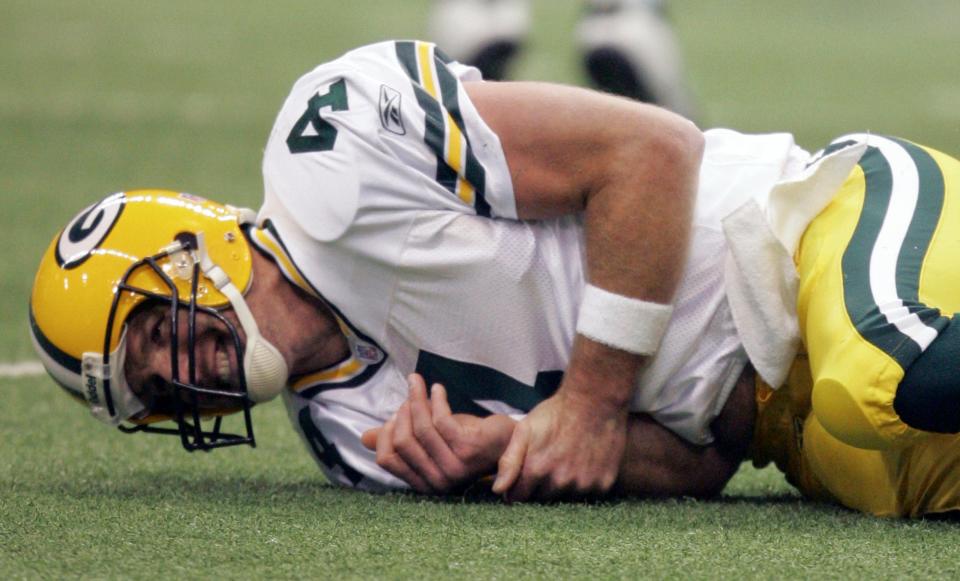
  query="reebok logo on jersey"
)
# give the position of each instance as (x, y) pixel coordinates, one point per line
(390, 110)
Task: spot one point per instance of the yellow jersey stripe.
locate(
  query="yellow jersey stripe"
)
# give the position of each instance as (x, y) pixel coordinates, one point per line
(455, 155)
(266, 242)
(353, 369)
(341, 372)
(425, 64)
(436, 89)
(453, 139)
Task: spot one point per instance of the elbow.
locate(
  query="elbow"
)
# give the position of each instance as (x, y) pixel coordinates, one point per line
(710, 483)
(677, 165)
(694, 142)
(678, 146)
(709, 477)
(660, 152)
(703, 480)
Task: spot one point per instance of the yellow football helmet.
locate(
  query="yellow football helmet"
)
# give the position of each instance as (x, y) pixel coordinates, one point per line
(177, 248)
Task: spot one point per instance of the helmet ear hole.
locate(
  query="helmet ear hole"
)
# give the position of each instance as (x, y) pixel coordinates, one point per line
(188, 239)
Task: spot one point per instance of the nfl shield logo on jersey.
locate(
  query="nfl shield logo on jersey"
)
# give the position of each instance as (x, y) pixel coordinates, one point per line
(368, 353)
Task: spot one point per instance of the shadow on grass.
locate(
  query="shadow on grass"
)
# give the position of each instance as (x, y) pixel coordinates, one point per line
(778, 502)
(482, 495)
(159, 487)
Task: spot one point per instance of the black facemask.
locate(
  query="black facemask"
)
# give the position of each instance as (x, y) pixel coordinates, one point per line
(194, 430)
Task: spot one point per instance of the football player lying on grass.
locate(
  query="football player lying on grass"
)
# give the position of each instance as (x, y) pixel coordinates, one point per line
(597, 268)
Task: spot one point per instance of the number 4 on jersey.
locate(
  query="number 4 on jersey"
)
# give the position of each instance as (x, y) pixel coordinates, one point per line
(323, 135)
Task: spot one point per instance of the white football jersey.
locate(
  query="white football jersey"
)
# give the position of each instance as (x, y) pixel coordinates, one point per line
(387, 196)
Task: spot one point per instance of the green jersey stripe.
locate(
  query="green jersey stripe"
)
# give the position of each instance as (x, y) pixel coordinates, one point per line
(855, 264)
(467, 383)
(407, 55)
(871, 319)
(922, 227)
(474, 172)
(434, 134)
(325, 450)
(861, 306)
(435, 138)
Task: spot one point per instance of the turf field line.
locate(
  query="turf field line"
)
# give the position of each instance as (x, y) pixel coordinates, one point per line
(20, 369)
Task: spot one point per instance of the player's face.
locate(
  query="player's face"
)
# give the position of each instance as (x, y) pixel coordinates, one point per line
(149, 367)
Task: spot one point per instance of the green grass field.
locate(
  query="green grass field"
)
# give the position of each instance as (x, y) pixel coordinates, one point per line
(101, 96)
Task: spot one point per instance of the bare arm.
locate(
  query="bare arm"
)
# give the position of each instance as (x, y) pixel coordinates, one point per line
(631, 169)
(659, 463)
(436, 451)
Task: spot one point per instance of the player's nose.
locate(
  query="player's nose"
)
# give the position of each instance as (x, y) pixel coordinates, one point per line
(163, 362)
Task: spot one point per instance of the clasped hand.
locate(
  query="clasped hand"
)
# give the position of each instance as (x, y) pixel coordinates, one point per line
(434, 450)
(564, 447)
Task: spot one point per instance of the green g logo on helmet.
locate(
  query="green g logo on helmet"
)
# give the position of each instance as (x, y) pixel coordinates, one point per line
(87, 230)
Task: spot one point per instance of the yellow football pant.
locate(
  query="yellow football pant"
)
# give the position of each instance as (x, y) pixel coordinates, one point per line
(879, 286)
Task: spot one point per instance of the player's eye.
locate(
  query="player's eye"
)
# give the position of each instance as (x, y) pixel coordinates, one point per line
(156, 330)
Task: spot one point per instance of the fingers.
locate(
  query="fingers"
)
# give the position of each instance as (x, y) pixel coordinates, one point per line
(560, 483)
(447, 427)
(578, 477)
(413, 453)
(438, 401)
(568, 483)
(392, 462)
(511, 462)
(427, 435)
(369, 438)
(529, 485)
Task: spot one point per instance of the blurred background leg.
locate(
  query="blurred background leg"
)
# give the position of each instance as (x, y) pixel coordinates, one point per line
(484, 33)
(629, 48)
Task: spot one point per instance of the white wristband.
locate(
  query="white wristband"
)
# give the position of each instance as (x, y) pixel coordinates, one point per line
(625, 323)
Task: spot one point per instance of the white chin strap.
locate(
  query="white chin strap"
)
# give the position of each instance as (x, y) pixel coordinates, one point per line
(93, 373)
(265, 369)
